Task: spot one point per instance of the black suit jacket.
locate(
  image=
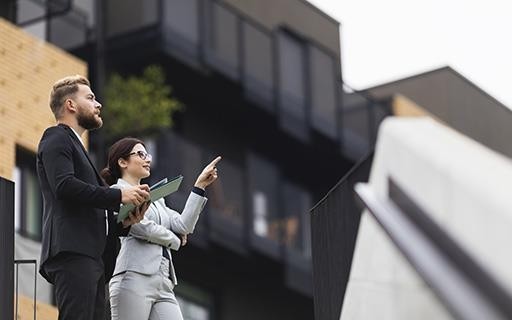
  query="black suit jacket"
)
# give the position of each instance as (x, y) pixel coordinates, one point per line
(75, 199)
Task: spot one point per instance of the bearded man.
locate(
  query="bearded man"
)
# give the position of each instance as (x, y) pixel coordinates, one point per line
(78, 206)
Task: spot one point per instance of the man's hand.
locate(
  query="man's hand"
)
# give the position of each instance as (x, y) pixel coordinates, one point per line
(208, 175)
(136, 215)
(135, 195)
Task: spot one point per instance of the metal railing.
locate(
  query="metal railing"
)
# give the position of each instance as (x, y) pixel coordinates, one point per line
(17, 263)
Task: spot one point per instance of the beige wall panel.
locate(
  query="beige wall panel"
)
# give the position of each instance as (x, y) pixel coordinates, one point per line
(28, 69)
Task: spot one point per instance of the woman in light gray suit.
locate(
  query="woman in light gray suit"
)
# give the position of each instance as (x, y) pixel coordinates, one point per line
(144, 276)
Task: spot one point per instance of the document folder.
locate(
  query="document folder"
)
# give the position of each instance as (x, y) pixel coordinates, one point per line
(159, 190)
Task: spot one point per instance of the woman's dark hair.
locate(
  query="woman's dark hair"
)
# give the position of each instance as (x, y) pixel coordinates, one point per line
(121, 149)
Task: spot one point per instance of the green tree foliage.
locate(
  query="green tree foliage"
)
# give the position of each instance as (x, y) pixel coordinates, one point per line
(135, 105)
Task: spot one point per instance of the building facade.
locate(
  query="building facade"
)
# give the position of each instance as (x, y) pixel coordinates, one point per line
(261, 84)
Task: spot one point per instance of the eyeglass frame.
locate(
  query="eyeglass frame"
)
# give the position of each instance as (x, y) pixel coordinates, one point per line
(142, 154)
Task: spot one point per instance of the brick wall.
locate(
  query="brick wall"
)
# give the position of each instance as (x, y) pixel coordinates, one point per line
(28, 68)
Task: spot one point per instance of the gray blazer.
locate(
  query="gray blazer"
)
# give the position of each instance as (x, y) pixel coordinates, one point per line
(141, 250)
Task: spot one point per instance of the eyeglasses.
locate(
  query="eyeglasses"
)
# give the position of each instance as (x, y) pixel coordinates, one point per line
(143, 155)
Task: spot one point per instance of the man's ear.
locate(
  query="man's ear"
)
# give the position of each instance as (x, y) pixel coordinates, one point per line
(70, 105)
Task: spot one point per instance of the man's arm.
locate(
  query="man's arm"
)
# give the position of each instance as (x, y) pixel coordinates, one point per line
(57, 158)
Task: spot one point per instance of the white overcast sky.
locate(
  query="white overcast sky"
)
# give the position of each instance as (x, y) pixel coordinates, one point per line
(385, 40)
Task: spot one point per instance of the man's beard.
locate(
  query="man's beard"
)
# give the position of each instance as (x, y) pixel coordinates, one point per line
(88, 121)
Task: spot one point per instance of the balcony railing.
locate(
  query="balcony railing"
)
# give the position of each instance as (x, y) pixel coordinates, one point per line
(17, 263)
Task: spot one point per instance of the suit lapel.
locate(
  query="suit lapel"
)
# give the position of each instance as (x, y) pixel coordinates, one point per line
(85, 153)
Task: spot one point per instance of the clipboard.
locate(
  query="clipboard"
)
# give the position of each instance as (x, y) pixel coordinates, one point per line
(159, 190)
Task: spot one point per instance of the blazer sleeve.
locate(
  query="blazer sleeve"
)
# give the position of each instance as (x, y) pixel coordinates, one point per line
(185, 223)
(57, 159)
(147, 229)
(151, 231)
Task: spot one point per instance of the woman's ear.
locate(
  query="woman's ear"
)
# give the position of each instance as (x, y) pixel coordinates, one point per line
(122, 163)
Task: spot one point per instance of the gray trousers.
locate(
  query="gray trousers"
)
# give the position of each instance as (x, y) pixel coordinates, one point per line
(137, 296)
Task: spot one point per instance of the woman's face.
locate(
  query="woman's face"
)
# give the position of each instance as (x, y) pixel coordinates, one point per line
(138, 164)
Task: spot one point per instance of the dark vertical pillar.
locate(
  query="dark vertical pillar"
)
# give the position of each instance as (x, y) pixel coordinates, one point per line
(334, 227)
(97, 137)
(6, 249)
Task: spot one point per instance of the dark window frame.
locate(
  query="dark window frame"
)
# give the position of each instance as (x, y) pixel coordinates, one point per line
(26, 161)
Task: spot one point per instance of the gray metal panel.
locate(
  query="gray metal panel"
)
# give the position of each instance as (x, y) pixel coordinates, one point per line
(459, 103)
(6, 248)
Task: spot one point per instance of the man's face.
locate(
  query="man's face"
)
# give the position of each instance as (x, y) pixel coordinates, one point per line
(88, 109)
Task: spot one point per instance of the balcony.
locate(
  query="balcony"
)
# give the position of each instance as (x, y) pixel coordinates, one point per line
(252, 208)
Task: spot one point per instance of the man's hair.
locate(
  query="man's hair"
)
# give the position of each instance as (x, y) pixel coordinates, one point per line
(62, 89)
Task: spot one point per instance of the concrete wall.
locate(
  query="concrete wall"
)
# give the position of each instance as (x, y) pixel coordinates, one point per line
(462, 185)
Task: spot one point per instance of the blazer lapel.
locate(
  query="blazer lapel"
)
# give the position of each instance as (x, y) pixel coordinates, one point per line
(85, 153)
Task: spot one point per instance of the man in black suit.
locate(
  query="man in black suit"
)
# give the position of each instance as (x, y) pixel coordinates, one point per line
(78, 206)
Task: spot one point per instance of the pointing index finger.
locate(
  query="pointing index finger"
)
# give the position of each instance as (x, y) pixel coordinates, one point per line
(215, 161)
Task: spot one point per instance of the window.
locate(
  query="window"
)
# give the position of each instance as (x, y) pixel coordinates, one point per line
(223, 40)
(17, 199)
(129, 15)
(259, 71)
(181, 26)
(178, 156)
(292, 85)
(295, 223)
(260, 212)
(87, 7)
(227, 192)
(68, 30)
(323, 71)
(29, 205)
(263, 184)
(27, 10)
